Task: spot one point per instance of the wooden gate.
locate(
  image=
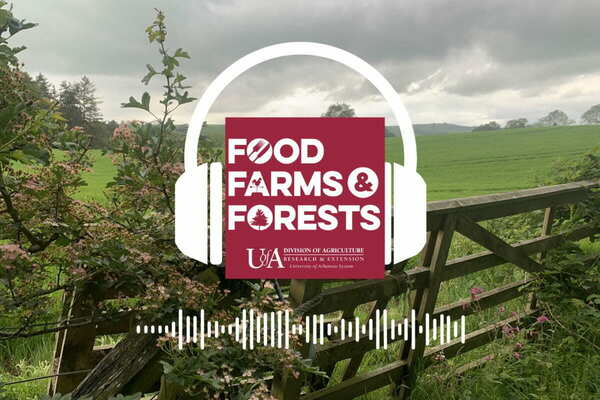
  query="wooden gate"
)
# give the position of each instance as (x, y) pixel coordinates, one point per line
(75, 350)
(444, 219)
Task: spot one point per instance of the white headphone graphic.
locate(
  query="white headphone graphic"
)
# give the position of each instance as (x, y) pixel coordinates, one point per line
(193, 190)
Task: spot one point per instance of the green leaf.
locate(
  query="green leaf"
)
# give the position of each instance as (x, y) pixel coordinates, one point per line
(149, 75)
(18, 155)
(133, 103)
(167, 368)
(4, 16)
(170, 62)
(36, 153)
(146, 101)
(8, 114)
(63, 241)
(29, 25)
(183, 99)
(15, 26)
(31, 153)
(59, 117)
(181, 53)
(19, 49)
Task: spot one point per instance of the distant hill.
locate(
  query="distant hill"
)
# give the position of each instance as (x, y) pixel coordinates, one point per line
(434, 129)
(217, 131)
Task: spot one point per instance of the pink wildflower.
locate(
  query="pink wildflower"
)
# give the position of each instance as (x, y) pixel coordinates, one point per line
(31, 185)
(123, 131)
(509, 331)
(542, 318)
(475, 292)
(11, 252)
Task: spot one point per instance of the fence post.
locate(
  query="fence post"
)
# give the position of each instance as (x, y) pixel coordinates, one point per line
(74, 346)
(286, 386)
(546, 231)
(424, 300)
(67, 298)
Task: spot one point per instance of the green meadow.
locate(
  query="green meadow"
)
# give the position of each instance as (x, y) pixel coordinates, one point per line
(102, 172)
(469, 164)
(456, 164)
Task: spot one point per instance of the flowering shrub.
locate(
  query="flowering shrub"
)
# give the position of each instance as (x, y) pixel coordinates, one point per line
(149, 157)
(50, 242)
(41, 162)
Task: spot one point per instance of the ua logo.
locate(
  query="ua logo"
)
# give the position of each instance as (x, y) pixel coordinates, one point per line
(266, 259)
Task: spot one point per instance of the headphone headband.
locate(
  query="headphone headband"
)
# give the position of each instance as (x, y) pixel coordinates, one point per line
(297, 49)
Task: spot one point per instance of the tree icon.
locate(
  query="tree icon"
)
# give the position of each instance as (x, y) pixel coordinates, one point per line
(260, 219)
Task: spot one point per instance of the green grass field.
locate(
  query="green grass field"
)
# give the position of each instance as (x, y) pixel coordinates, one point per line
(453, 165)
(457, 164)
(469, 164)
(102, 173)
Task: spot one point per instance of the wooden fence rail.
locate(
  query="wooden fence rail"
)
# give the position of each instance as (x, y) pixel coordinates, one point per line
(75, 347)
(444, 218)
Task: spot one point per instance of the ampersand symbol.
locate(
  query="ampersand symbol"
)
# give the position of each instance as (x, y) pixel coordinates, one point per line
(362, 185)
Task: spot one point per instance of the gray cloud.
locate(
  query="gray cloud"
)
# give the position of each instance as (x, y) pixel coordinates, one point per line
(451, 53)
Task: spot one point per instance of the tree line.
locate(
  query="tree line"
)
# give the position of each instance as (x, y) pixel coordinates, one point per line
(79, 106)
(554, 118)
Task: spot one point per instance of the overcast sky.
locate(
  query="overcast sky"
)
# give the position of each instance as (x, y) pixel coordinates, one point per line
(463, 62)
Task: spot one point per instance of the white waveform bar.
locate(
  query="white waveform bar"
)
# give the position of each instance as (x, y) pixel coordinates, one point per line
(274, 329)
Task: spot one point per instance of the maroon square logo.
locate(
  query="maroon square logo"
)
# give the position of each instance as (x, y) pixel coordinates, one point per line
(304, 198)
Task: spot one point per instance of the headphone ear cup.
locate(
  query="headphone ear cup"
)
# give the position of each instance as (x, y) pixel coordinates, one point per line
(409, 213)
(191, 213)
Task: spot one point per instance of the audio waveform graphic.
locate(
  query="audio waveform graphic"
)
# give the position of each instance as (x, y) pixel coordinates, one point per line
(274, 329)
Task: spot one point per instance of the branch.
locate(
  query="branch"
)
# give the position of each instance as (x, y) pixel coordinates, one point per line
(20, 302)
(37, 244)
(14, 214)
(63, 325)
